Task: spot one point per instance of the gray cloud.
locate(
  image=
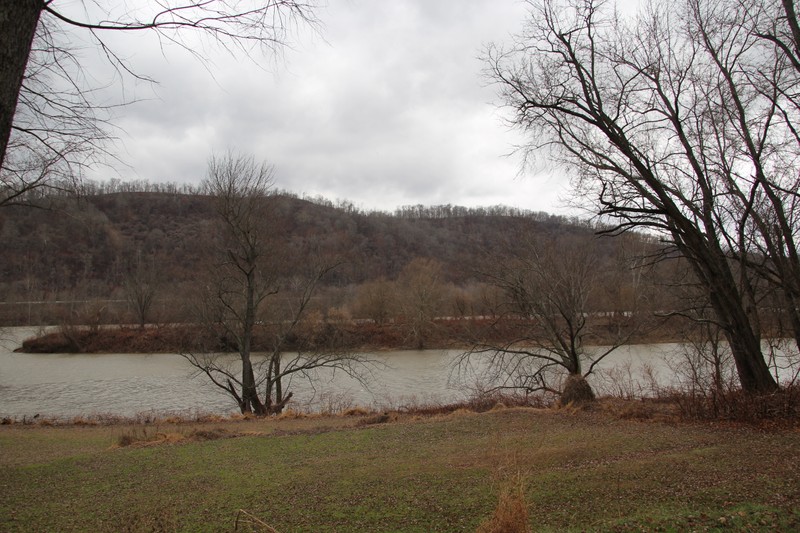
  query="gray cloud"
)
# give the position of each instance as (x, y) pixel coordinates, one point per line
(387, 107)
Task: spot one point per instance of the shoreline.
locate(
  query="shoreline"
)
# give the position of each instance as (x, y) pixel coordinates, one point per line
(461, 334)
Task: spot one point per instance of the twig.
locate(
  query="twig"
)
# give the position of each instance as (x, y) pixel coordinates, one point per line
(251, 519)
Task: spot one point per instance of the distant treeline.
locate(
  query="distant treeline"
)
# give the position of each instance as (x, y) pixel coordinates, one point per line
(417, 211)
(91, 244)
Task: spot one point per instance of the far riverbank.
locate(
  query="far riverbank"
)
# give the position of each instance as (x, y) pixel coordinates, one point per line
(360, 336)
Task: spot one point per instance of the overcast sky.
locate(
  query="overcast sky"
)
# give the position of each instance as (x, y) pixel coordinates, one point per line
(386, 106)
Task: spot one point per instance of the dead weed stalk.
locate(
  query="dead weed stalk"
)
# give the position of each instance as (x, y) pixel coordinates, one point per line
(248, 522)
(511, 513)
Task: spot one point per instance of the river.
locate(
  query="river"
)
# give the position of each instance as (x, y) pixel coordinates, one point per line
(74, 385)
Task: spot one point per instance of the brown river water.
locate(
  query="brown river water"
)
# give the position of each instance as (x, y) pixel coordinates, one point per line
(72, 385)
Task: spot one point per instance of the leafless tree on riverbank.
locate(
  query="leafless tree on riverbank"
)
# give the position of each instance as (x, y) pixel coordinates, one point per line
(682, 120)
(547, 288)
(255, 293)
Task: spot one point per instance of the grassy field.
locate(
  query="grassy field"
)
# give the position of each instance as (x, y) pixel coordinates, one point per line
(579, 470)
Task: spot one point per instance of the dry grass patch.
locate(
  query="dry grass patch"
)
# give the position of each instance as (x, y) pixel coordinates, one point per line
(145, 436)
(644, 409)
(511, 513)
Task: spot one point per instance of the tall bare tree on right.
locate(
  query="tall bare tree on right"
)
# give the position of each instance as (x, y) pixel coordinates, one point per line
(683, 120)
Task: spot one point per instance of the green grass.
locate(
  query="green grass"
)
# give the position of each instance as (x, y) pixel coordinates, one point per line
(581, 471)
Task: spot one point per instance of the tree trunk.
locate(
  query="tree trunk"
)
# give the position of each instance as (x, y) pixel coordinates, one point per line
(573, 363)
(277, 408)
(278, 380)
(250, 401)
(18, 21)
(739, 330)
(274, 401)
(577, 391)
(794, 26)
(249, 390)
(791, 304)
(754, 374)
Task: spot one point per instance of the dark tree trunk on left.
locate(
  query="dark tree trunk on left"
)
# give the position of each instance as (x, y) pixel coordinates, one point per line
(18, 21)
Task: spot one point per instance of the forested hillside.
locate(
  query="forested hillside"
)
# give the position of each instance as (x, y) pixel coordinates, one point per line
(91, 247)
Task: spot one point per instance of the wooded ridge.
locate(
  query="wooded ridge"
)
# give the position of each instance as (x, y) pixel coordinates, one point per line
(85, 249)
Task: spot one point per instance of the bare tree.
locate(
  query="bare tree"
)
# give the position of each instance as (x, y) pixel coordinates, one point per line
(375, 300)
(421, 293)
(240, 296)
(758, 100)
(644, 111)
(141, 286)
(547, 286)
(299, 344)
(52, 125)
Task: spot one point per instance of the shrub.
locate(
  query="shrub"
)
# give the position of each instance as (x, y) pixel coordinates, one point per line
(737, 405)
